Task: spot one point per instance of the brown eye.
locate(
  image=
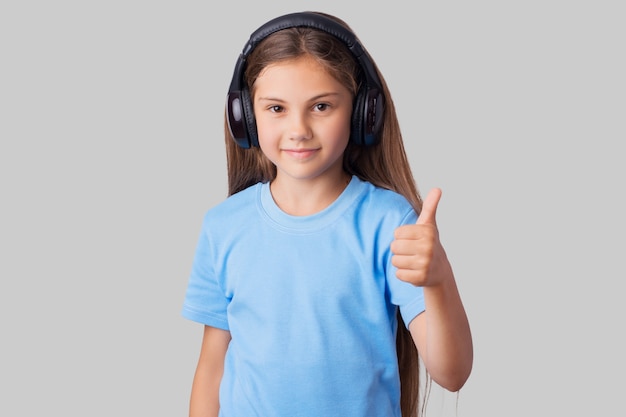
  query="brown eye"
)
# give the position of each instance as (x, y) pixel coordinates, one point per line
(276, 109)
(321, 106)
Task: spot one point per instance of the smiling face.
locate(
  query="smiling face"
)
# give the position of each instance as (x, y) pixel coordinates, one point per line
(303, 119)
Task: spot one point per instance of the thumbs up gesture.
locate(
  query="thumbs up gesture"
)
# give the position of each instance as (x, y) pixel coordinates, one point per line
(417, 251)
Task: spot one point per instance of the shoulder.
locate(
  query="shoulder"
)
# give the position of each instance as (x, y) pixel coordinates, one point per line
(388, 197)
(387, 205)
(234, 208)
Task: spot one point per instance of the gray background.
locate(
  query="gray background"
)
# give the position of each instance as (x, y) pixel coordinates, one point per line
(112, 150)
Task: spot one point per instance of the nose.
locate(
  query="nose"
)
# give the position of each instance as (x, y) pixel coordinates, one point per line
(299, 127)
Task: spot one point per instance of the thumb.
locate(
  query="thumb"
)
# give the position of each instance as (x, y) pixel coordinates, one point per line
(429, 207)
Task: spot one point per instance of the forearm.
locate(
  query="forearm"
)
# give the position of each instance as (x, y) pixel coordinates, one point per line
(204, 400)
(204, 395)
(442, 333)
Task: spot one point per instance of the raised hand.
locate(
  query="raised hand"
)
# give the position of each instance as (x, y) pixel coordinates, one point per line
(417, 251)
(441, 333)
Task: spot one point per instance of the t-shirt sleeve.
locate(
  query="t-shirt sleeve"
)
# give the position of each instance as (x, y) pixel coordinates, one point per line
(205, 301)
(408, 297)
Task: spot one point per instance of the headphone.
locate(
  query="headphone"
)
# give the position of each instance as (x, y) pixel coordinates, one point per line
(367, 113)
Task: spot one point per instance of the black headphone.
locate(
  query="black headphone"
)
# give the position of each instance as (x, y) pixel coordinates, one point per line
(367, 114)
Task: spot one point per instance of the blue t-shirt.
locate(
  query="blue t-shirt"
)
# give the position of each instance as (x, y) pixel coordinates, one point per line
(310, 302)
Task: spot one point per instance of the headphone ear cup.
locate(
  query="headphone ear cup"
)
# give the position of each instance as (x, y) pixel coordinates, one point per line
(372, 116)
(356, 130)
(367, 117)
(248, 112)
(236, 119)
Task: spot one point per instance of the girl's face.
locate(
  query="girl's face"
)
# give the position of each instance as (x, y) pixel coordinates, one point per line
(303, 119)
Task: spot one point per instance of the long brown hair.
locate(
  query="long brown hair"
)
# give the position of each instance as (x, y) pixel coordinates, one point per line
(384, 164)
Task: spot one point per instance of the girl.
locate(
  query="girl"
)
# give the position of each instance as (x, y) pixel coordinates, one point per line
(315, 280)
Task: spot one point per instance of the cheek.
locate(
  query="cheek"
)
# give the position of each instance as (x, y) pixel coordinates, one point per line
(340, 130)
(265, 131)
(268, 139)
(259, 122)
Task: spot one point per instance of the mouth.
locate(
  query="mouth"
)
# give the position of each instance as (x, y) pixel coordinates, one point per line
(301, 153)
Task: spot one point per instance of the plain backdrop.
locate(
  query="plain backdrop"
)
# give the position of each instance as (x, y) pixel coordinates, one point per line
(111, 128)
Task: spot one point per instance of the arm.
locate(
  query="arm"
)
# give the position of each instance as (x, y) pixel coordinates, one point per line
(441, 333)
(442, 336)
(205, 389)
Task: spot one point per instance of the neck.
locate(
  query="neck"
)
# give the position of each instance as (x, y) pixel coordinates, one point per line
(302, 197)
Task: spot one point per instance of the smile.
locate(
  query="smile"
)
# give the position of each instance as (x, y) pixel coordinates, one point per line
(300, 153)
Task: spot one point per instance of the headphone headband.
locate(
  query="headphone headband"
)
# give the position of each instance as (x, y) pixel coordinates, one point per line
(369, 102)
(309, 20)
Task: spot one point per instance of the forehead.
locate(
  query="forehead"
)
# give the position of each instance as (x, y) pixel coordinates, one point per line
(304, 62)
(297, 73)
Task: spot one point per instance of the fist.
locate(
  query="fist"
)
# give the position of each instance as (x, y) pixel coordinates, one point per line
(417, 251)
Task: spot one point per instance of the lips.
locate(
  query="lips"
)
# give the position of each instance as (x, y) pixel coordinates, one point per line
(300, 153)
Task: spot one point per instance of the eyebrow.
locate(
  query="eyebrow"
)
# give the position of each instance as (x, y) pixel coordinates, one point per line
(314, 98)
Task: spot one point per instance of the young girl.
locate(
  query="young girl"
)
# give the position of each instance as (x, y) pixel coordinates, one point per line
(316, 281)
